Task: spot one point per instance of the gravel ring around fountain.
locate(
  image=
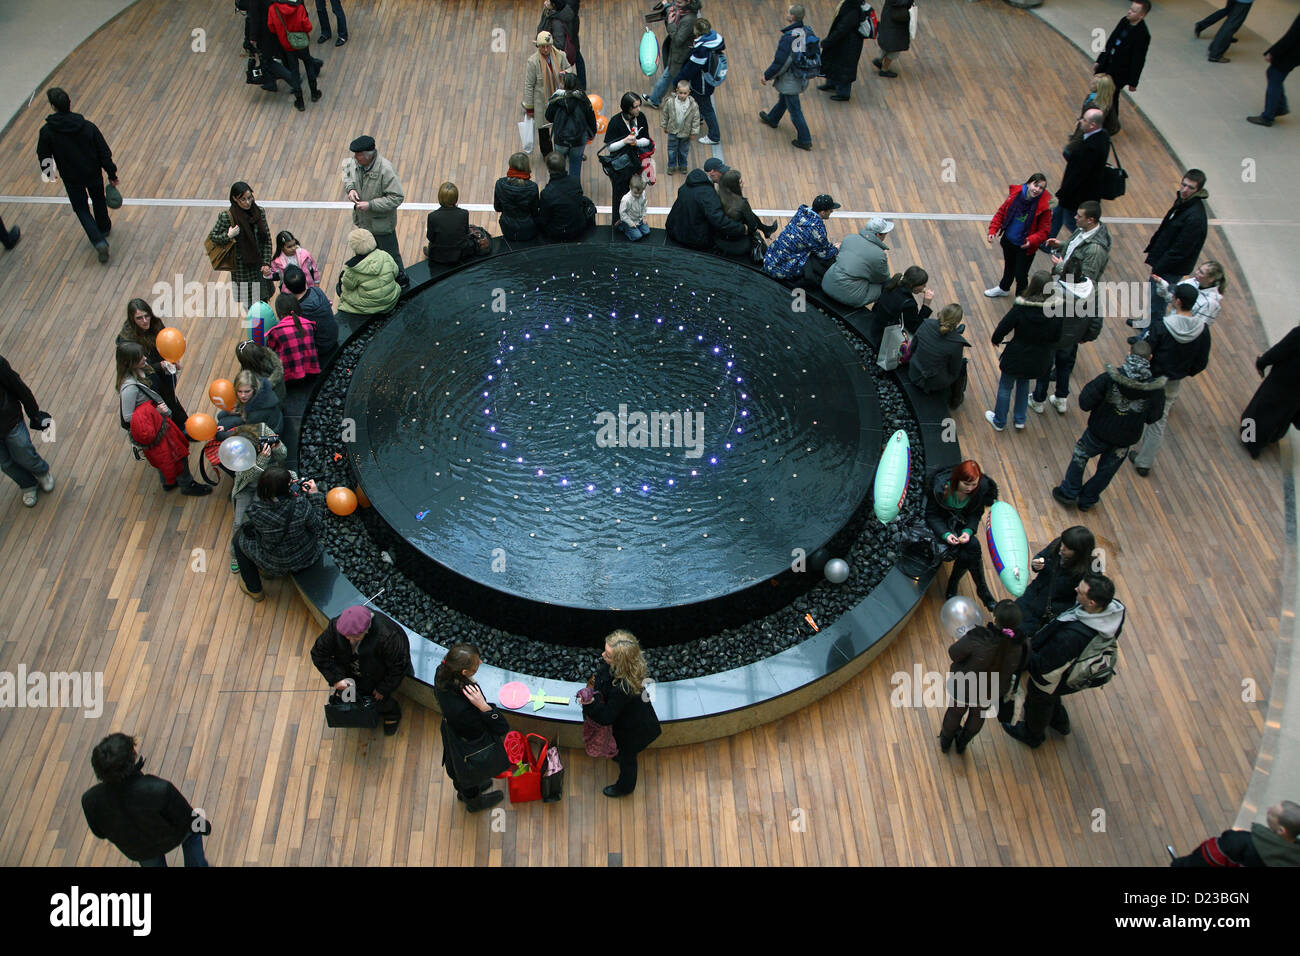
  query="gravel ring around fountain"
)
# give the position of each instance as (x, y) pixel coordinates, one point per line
(359, 543)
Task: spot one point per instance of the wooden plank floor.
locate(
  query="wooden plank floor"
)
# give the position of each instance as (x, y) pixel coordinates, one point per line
(221, 692)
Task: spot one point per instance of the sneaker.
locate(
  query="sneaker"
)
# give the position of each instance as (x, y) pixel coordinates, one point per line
(1036, 406)
(1060, 404)
(646, 101)
(1020, 426)
(234, 565)
(707, 141)
(340, 41)
(996, 292)
(29, 497)
(324, 36)
(992, 420)
(101, 250)
(45, 481)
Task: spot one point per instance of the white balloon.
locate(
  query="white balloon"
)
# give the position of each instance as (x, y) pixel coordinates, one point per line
(836, 571)
(237, 453)
(959, 614)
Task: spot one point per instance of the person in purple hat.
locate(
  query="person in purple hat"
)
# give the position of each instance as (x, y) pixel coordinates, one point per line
(365, 654)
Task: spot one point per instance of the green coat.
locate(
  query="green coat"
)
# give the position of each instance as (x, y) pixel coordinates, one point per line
(370, 286)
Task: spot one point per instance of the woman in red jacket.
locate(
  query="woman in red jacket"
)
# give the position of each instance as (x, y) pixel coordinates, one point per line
(1022, 221)
(284, 17)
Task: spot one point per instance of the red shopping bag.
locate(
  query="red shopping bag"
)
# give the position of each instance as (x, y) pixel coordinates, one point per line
(527, 786)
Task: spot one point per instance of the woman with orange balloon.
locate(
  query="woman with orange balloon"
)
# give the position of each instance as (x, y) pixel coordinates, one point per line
(142, 328)
(148, 419)
(248, 401)
(281, 533)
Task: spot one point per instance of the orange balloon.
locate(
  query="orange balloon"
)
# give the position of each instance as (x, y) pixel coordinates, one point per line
(170, 344)
(222, 394)
(362, 500)
(597, 102)
(601, 123)
(201, 427)
(341, 501)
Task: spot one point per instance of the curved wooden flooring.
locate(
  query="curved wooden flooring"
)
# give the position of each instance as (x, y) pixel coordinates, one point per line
(222, 693)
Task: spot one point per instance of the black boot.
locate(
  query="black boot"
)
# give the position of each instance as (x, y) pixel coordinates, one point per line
(484, 800)
(945, 743)
(298, 104)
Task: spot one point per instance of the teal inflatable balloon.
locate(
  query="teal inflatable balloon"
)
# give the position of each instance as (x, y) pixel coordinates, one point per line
(649, 53)
(892, 473)
(1008, 547)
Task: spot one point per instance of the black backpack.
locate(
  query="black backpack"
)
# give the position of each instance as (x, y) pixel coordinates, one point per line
(807, 63)
(569, 128)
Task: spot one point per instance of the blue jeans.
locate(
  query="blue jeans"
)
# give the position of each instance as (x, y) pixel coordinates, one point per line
(1005, 384)
(707, 116)
(1157, 301)
(660, 88)
(1275, 95)
(18, 458)
(679, 151)
(1064, 361)
(633, 233)
(575, 158)
(1089, 446)
(1233, 15)
(1061, 217)
(790, 101)
(323, 21)
(191, 847)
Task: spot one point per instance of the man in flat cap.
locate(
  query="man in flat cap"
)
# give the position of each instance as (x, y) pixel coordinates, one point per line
(365, 654)
(371, 183)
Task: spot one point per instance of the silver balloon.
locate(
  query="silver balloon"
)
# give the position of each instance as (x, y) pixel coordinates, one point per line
(959, 614)
(837, 571)
(237, 453)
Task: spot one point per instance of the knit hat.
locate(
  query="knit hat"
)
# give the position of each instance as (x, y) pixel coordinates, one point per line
(362, 144)
(354, 620)
(361, 242)
(544, 39)
(1137, 368)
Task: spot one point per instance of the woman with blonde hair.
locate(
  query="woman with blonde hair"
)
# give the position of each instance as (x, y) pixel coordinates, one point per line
(255, 402)
(622, 701)
(937, 363)
(1101, 96)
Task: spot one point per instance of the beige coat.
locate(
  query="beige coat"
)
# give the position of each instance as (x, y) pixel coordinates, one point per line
(535, 92)
(381, 188)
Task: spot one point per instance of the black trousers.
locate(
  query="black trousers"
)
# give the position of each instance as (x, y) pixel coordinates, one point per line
(83, 197)
(969, 559)
(6, 239)
(312, 65)
(626, 781)
(952, 721)
(1015, 264)
(388, 242)
(1040, 710)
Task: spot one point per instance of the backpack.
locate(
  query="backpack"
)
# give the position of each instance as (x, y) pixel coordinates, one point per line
(870, 25)
(1096, 664)
(806, 63)
(715, 71)
(569, 129)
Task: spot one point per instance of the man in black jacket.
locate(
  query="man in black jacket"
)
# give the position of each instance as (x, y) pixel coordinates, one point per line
(1056, 650)
(1180, 348)
(1126, 50)
(697, 217)
(18, 457)
(142, 815)
(564, 212)
(72, 147)
(1283, 57)
(315, 305)
(364, 654)
(1122, 401)
(1082, 178)
(1176, 245)
(9, 237)
(1273, 843)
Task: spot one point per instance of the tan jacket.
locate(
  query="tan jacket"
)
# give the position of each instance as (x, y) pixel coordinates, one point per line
(689, 123)
(535, 92)
(380, 187)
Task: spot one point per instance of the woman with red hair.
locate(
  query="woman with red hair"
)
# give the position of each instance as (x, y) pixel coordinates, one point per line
(953, 511)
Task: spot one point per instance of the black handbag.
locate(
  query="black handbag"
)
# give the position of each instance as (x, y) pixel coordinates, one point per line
(1113, 178)
(358, 713)
(613, 165)
(474, 761)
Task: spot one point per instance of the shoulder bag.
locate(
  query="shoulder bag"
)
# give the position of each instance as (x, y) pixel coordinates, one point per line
(1113, 178)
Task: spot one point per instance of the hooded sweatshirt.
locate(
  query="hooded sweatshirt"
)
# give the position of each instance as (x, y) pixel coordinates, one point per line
(77, 147)
(1180, 346)
(1058, 645)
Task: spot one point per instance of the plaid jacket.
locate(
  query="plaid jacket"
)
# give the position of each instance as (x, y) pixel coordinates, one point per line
(295, 346)
(804, 235)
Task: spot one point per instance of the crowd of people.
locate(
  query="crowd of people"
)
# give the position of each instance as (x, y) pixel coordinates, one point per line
(1057, 639)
